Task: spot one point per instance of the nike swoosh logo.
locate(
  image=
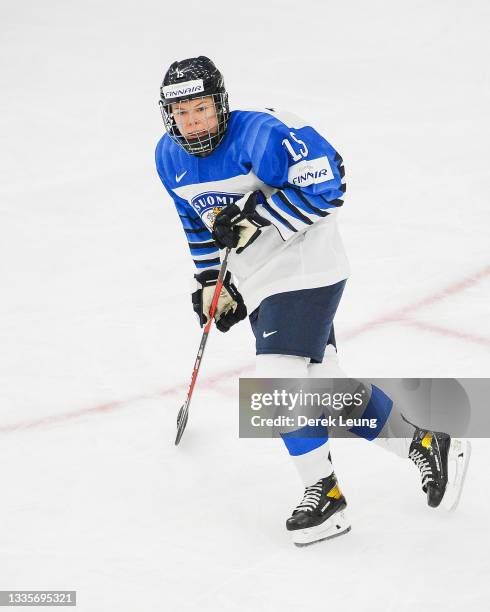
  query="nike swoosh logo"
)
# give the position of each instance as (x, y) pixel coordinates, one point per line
(267, 334)
(179, 178)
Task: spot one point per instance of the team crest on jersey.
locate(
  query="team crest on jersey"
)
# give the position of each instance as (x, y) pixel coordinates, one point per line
(211, 216)
(208, 205)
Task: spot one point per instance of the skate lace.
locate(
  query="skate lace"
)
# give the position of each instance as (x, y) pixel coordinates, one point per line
(311, 498)
(423, 464)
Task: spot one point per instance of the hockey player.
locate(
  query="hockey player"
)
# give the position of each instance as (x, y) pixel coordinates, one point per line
(269, 186)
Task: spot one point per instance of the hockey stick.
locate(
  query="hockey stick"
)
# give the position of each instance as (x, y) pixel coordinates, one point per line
(184, 411)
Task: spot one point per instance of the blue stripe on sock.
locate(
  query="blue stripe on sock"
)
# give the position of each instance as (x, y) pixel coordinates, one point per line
(379, 408)
(306, 439)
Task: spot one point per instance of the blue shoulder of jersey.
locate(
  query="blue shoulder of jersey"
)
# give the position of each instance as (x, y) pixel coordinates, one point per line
(273, 144)
(255, 140)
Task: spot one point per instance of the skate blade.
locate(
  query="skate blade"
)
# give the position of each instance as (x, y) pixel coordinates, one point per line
(333, 527)
(458, 460)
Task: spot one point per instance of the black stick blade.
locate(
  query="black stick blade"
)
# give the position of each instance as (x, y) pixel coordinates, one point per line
(181, 422)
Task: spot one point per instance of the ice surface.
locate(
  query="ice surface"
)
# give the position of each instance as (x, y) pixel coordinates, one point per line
(98, 337)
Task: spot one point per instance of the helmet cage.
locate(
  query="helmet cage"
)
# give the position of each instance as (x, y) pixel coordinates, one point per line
(203, 144)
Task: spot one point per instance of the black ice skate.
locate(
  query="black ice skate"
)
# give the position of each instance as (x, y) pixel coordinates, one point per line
(320, 515)
(442, 462)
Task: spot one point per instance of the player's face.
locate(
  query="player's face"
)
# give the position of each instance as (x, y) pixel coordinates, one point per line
(196, 118)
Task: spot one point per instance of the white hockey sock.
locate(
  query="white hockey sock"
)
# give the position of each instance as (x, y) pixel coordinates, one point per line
(315, 464)
(396, 435)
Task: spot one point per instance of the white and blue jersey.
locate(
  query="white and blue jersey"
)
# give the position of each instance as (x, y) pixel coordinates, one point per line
(302, 178)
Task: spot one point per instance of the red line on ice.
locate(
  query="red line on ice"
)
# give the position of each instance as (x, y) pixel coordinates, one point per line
(55, 419)
(396, 316)
(400, 314)
(445, 331)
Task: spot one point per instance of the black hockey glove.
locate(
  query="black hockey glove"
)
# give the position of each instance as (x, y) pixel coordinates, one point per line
(230, 308)
(239, 224)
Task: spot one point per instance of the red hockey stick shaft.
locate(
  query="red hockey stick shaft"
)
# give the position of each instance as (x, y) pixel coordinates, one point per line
(184, 411)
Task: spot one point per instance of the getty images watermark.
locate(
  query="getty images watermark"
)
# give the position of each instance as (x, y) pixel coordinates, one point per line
(300, 405)
(369, 408)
